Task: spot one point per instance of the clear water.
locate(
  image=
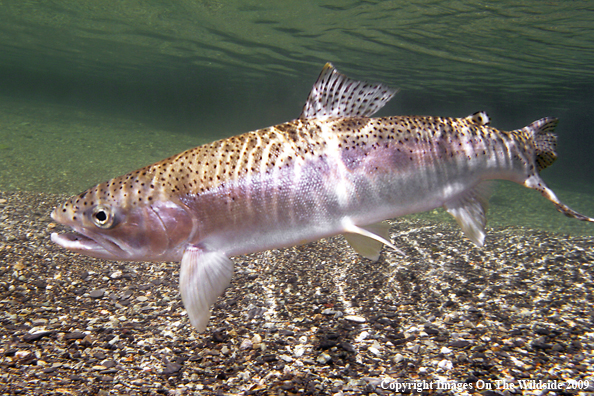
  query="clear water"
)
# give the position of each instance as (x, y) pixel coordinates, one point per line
(90, 89)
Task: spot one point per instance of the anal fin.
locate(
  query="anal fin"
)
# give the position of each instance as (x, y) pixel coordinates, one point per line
(538, 184)
(470, 211)
(204, 276)
(368, 240)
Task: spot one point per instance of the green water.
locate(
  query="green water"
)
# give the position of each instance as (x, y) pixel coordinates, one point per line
(93, 89)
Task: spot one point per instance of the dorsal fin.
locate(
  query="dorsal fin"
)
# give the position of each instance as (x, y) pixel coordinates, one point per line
(334, 95)
(479, 118)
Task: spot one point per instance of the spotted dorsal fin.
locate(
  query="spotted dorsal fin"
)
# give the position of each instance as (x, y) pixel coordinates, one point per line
(334, 95)
(479, 118)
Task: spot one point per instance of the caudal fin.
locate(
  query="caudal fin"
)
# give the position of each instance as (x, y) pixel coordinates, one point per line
(540, 133)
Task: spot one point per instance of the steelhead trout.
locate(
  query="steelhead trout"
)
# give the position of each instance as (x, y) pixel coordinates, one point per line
(334, 170)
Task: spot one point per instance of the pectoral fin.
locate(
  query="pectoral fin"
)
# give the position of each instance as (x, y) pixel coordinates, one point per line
(368, 240)
(470, 210)
(203, 277)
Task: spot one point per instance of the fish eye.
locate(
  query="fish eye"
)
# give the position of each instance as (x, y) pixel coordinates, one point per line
(102, 217)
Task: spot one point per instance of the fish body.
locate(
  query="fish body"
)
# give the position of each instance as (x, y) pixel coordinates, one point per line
(335, 170)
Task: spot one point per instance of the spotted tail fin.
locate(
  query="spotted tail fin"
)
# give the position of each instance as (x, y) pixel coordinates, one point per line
(540, 133)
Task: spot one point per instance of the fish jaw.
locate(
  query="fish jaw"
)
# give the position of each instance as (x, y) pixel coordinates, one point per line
(157, 232)
(82, 244)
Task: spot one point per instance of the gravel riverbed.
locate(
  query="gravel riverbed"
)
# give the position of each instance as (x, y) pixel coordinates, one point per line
(313, 319)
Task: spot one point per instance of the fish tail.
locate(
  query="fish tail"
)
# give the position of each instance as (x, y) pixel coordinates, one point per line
(540, 135)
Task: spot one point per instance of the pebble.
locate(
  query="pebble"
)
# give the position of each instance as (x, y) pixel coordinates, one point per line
(22, 354)
(246, 344)
(75, 335)
(109, 363)
(30, 337)
(459, 343)
(286, 358)
(171, 368)
(299, 350)
(324, 358)
(98, 293)
(374, 350)
(355, 318)
(363, 335)
(445, 364)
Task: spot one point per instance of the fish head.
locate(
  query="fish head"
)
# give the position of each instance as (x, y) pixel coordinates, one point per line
(124, 224)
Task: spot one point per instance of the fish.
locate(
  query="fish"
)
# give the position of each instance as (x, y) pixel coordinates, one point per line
(334, 170)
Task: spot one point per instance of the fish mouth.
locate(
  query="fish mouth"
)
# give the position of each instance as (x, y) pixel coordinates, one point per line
(80, 243)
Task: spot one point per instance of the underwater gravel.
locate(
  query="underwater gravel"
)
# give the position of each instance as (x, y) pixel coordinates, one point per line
(312, 319)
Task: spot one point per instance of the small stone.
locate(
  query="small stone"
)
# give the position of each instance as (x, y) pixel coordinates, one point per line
(98, 293)
(246, 344)
(347, 346)
(21, 355)
(87, 341)
(171, 368)
(445, 364)
(363, 335)
(557, 348)
(324, 358)
(77, 335)
(256, 339)
(398, 358)
(299, 350)
(445, 350)
(459, 343)
(39, 283)
(109, 363)
(116, 275)
(355, 318)
(286, 358)
(141, 298)
(269, 358)
(35, 336)
(374, 350)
